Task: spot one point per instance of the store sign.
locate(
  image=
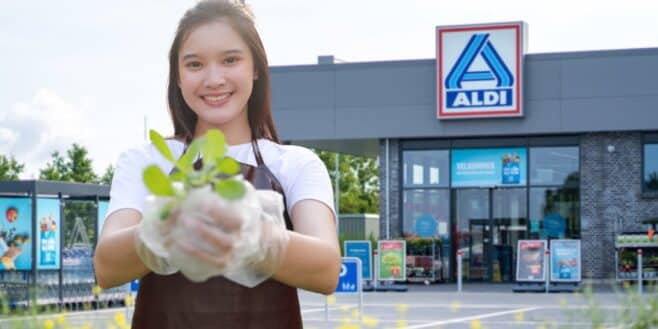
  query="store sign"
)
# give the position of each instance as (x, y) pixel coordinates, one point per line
(392, 260)
(425, 226)
(16, 234)
(565, 261)
(363, 251)
(530, 261)
(489, 167)
(480, 70)
(48, 228)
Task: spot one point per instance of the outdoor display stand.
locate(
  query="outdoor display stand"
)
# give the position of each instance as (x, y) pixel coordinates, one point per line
(362, 250)
(424, 260)
(531, 266)
(46, 257)
(626, 247)
(391, 265)
(565, 266)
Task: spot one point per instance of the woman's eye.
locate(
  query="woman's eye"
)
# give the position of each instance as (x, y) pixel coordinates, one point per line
(193, 65)
(231, 60)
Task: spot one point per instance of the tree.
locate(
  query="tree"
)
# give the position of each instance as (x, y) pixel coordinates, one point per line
(358, 181)
(106, 179)
(76, 167)
(10, 168)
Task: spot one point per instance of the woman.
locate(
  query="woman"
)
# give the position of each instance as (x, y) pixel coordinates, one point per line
(219, 79)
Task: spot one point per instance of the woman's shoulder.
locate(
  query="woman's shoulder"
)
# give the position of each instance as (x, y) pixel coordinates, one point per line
(144, 153)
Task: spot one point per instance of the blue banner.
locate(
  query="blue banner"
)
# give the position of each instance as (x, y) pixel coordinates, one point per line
(363, 251)
(102, 212)
(48, 234)
(16, 234)
(565, 260)
(489, 167)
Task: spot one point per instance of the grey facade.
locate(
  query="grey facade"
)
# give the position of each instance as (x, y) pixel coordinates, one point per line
(599, 98)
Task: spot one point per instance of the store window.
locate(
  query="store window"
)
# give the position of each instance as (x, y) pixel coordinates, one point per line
(554, 200)
(650, 176)
(425, 169)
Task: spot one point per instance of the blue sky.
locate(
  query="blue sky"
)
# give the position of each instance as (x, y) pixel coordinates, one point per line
(89, 71)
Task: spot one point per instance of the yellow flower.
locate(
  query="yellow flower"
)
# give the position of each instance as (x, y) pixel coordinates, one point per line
(476, 324)
(349, 326)
(331, 299)
(401, 323)
(345, 308)
(346, 320)
(110, 326)
(402, 308)
(129, 300)
(355, 313)
(119, 318)
(455, 306)
(96, 290)
(48, 324)
(86, 325)
(60, 319)
(519, 316)
(369, 321)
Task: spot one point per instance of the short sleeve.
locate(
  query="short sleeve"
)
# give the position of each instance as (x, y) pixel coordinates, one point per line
(309, 179)
(127, 189)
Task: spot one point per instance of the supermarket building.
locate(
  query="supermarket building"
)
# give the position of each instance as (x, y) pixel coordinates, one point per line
(485, 145)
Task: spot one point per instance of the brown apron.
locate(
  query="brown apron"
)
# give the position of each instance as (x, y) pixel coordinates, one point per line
(173, 301)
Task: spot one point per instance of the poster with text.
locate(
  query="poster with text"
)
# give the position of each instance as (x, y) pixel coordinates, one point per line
(48, 234)
(565, 261)
(530, 261)
(392, 260)
(16, 234)
(363, 251)
(489, 167)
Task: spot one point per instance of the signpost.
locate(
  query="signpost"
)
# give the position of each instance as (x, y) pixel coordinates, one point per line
(349, 282)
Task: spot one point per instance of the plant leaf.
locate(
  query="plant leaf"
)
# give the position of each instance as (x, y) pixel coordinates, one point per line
(178, 176)
(161, 145)
(228, 166)
(186, 162)
(214, 147)
(230, 189)
(157, 182)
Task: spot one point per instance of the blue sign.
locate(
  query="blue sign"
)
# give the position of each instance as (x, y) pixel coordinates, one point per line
(349, 280)
(363, 251)
(565, 260)
(48, 234)
(554, 226)
(102, 212)
(425, 226)
(479, 70)
(16, 234)
(134, 285)
(489, 167)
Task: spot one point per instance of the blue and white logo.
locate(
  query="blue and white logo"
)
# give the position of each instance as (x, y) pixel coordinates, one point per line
(349, 279)
(479, 70)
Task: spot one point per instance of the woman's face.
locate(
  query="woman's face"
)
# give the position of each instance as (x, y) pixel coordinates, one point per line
(216, 75)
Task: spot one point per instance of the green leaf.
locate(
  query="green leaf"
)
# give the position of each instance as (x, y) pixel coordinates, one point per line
(186, 162)
(228, 166)
(196, 178)
(161, 145)
(230, 189)
(214, 147)
(157, 182)
(178, 176)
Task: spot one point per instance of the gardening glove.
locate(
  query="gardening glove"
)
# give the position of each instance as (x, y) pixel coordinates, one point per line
(258, 259)
(151, 234)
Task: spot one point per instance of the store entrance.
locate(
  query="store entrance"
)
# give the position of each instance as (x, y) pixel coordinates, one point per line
(488, 223)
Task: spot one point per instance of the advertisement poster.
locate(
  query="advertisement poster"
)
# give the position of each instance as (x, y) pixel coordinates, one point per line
(425, 226)
(489, 167)
(102, 212)
(16, 234)
(530, 260)
(48, 234)
(392, 260)
(565, 260)
(363, 251)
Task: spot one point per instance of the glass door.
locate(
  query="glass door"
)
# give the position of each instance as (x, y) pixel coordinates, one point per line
(509, 225)
(473, 233)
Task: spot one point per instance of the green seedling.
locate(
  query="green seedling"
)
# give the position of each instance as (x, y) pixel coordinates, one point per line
(218, 170)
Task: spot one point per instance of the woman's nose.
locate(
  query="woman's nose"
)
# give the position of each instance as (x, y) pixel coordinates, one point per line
(215, 76)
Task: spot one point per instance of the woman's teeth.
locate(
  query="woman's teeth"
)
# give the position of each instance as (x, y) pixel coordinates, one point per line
(216, 98)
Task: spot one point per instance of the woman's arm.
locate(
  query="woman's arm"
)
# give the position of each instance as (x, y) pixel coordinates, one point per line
(115, 260)
(312, 260)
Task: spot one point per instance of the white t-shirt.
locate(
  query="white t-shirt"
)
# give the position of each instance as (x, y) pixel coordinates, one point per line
(301, 173)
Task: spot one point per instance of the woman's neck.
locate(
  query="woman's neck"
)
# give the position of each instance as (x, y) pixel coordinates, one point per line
(233, 133)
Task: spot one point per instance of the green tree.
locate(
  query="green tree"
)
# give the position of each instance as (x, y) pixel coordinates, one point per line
(76, 167)
(10, 168)
(106, 179)
(358, 180)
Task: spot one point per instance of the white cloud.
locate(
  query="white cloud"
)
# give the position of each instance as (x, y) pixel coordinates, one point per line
(31, 131)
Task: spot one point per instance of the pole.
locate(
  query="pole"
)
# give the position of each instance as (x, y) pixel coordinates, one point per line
(547, 254)
(387, 197)
(639, 271)
(376, 274)
(337, 192)
(326, 309)
(459, 271)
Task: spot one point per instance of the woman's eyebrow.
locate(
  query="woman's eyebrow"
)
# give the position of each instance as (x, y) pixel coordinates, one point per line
(226, 52)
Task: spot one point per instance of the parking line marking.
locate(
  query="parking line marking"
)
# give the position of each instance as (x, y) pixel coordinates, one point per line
(469, 318)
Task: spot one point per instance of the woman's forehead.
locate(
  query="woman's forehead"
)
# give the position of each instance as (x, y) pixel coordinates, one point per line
(213, 37)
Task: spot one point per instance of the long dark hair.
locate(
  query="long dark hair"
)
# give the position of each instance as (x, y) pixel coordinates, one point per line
(241, 19)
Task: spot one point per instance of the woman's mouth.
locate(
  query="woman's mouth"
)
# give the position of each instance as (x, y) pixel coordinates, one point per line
(216, 100)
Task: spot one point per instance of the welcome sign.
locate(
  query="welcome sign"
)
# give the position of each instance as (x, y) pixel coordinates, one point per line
(480, 70)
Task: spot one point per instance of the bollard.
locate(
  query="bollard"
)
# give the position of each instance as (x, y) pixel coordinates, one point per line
(547, 272)
(639, 271)
(459, 271)
(376, 276)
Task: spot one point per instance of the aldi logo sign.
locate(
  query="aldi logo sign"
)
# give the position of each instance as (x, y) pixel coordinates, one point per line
(479, 70)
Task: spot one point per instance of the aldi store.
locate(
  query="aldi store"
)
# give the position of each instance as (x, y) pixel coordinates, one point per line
(486, 145)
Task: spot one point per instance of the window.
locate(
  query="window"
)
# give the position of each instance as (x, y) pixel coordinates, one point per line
(554, 166)
(650, 175)
(425, 169)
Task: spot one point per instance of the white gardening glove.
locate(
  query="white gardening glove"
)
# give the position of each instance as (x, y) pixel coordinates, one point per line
(256, 261)
(151, 234)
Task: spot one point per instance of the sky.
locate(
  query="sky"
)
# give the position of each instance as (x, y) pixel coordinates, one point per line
(89, 72)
